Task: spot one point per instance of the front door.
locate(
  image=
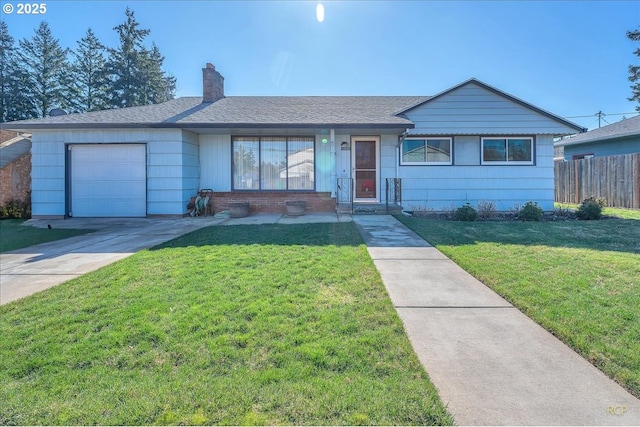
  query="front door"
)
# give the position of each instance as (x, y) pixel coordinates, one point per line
(366, 154)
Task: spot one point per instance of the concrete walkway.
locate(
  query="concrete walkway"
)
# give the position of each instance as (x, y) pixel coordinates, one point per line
(26, 271)
(491, 363)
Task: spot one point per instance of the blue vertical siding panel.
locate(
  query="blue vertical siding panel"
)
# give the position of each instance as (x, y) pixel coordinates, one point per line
(343, 157)
(190, 167)
(325, 163)
(388, 161)
(466, 150)
(47, 174)
(215, 162)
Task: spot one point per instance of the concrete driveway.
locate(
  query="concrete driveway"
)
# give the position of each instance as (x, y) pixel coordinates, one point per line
(29, 270)
(32, 269)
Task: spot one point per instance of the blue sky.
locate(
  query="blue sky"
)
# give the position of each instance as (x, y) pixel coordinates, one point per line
(567, 57)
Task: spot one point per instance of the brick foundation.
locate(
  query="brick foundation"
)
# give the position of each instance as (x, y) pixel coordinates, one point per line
(273, 201)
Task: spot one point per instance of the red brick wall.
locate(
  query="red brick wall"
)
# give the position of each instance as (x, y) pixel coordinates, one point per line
(274, 201)
(15, 180)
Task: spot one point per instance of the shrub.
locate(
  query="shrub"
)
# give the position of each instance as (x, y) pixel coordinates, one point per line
(530, 212)
(20, 209)
(590, 208)
(450, 212)
(599, 200)
(486, 209)
(466, 213)
(562, 213)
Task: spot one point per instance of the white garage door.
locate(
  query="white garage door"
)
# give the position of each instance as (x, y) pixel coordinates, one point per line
(108, 180)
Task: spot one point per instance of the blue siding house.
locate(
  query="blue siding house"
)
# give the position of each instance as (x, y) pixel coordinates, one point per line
(469, 143)
(622, 137)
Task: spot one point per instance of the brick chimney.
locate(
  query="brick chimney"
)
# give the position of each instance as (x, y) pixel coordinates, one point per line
(212, 84)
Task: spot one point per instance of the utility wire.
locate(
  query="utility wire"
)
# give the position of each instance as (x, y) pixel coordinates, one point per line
(608, 114)
(600, 115)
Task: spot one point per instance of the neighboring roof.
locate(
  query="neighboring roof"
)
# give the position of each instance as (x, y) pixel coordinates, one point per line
(501, 93)
(242, 111)
(6, 135)
(621, 129)
(13, 149)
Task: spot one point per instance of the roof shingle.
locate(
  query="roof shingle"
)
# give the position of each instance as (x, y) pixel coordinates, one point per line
(238, 111)
(621, 129)
(13, 149)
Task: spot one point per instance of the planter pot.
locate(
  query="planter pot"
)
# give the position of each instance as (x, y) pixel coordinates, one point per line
(239, 209)
(296, 208)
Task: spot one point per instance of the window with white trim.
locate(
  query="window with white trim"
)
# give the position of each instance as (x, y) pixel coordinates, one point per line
(511, 151)
(426, 151)
(274, 163)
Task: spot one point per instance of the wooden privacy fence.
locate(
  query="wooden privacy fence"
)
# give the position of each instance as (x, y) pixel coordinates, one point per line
(614, 178)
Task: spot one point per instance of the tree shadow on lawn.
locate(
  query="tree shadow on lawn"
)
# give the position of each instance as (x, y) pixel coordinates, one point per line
(320, 234)
(605, 235)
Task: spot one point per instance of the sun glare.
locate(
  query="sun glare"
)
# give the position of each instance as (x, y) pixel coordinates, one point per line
(320, 12)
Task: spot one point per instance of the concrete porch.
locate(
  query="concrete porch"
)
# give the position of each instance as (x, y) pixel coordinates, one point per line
(368, 208)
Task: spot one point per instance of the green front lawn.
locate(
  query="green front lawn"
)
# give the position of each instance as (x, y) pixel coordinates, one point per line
(14, 235)
(235, 325)
(578, 279)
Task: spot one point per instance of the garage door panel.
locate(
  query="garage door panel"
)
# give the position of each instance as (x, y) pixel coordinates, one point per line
(83, 156)
(84, 170)
(84, 190)
(125, 156)
(108, 180)
(118, 189)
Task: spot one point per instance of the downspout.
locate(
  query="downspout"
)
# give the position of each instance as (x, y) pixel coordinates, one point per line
(335, 163)
(403, 135)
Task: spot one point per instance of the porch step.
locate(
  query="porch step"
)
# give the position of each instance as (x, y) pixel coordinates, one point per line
(368, 209)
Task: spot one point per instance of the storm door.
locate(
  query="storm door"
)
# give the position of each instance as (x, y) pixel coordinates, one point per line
(366, 155)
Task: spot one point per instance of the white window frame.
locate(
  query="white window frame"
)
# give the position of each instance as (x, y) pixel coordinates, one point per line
(427, 163)
(260, 141)
(507, 161)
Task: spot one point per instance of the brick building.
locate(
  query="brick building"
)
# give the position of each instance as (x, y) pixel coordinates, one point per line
(15, 166)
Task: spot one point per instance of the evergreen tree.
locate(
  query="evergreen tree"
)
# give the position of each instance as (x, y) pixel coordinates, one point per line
(136, 72)
(156, 86)
(46, 80)
(13, 103)
(36, 76)
(170, 86)
(7, 72)
(634, 70)
(126, 63)
(90, 74)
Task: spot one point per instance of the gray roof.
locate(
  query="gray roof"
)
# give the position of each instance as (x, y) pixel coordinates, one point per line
(243, 111)
(621, 129)
(13, 149)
